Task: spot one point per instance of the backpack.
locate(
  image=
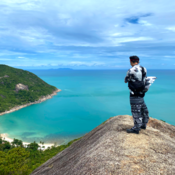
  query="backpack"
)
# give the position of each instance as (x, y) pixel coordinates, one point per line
(137, 86)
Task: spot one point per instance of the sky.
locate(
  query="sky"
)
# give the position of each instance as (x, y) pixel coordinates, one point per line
(88, 34)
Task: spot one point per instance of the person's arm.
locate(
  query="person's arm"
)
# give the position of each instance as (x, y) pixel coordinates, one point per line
(144, 79)
(145, 74)
(127, 78)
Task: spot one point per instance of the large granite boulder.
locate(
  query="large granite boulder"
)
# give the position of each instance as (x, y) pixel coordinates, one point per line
(21, 86)
(110, 150)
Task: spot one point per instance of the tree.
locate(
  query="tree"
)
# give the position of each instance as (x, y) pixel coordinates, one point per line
(33, 146)
(0, 140)
(6, 145)
(14, 162)
(17, 142)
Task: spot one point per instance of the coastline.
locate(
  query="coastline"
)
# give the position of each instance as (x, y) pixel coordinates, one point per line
(46, 145)
(41, 99)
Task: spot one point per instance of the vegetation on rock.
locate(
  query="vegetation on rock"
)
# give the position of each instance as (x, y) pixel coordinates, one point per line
(10, 97)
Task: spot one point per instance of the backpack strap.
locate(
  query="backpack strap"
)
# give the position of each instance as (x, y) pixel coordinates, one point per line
(143, 72)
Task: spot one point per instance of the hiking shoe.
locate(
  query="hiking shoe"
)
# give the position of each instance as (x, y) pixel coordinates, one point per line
(143, 127)
(133, 131)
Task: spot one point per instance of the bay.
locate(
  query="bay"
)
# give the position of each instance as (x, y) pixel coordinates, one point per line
(88, 98)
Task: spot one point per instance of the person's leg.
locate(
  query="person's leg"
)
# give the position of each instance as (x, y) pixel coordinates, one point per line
(145, 115)
(136, 105)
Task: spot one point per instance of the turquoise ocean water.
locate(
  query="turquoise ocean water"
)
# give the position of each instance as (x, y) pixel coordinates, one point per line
(88, 98)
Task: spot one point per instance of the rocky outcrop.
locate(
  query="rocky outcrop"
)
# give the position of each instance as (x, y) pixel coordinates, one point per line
(20, 86)
(6, 76)
(2, 96)
(110, 150)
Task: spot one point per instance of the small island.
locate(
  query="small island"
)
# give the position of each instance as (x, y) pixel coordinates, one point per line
(64, 68)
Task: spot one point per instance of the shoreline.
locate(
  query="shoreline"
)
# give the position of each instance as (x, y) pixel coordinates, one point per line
(5, 137)
(46, 145)
(41, 99)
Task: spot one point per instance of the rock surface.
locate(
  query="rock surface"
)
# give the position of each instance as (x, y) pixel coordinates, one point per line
(2, 96)
(110, 150)
(21, 87)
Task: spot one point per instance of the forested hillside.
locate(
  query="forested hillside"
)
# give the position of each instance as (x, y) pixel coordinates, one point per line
(15, 159)
(11, 96)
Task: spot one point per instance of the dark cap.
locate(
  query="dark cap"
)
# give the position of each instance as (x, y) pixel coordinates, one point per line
(134, 58)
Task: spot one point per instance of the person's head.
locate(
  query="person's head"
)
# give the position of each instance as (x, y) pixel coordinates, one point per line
(134, 60)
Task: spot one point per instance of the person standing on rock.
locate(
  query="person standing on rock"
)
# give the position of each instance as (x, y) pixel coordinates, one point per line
(136, 78)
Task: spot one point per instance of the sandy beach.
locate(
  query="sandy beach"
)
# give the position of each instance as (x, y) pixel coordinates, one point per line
(43, 98)
(42, 146)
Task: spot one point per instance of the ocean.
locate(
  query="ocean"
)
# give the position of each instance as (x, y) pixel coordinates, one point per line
(88, 98)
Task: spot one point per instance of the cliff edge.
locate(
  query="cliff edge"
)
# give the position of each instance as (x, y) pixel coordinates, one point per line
(110, 150)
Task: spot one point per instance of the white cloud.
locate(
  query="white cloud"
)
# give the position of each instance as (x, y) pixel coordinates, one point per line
(116, 34)
(5, 59)
(171, 28)
(169, 56)
(145, 23)
(130, 39)
(79, 63)
(56, 64)
(90, 30)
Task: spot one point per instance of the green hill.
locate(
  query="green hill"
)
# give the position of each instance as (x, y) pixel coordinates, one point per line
(11, 95)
